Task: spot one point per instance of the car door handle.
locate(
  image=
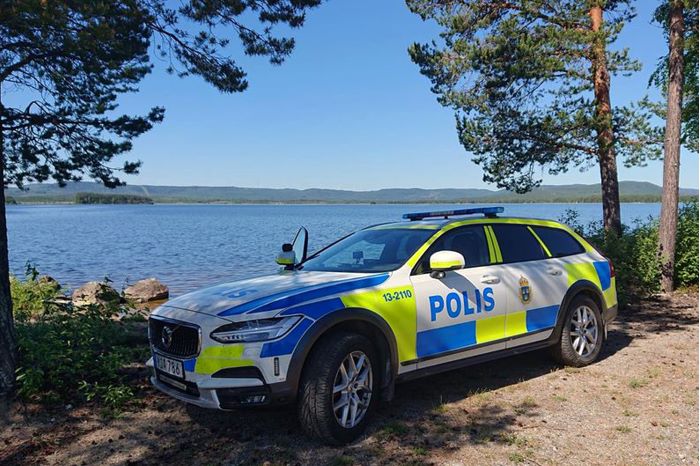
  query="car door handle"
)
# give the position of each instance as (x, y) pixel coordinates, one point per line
(490, 279)
(554, 272)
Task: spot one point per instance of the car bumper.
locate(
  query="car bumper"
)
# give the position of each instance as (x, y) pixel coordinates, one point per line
(223, 393)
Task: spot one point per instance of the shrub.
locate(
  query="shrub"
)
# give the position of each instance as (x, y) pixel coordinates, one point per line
(635, 253)
(70, 355)
(686, 268)
(30, 296)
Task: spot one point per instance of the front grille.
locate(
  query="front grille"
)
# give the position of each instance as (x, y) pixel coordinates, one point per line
(174, 338)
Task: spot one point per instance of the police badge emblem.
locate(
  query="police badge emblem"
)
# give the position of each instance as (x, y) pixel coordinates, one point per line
(525, 291)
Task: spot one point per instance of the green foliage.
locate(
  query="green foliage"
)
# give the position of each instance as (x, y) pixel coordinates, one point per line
(96, 198)
(70, 355)
(686, 264)
(635, 254)
(659, 79)
(30, 296)
(518, 75)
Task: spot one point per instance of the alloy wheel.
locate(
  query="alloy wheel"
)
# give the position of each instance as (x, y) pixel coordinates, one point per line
(352, 389)
(584, 331)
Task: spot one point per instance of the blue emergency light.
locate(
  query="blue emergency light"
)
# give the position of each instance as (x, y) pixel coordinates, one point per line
(487, 211)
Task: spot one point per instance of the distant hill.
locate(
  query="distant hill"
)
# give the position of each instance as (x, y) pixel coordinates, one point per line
(630, 191)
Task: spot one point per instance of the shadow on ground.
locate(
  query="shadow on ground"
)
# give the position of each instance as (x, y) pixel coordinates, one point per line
(416, 420)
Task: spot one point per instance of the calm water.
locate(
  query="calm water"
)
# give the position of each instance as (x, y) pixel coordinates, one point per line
(189, 246)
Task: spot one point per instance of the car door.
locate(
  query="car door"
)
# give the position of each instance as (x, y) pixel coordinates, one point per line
(466, 308)
(536, 283)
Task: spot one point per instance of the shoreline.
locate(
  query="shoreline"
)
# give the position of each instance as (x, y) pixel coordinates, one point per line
(328, 203)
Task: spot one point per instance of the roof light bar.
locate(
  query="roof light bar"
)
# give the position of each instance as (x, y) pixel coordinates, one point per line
(487, 211)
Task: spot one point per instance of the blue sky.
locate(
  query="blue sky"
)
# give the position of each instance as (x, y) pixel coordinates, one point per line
(347, 110)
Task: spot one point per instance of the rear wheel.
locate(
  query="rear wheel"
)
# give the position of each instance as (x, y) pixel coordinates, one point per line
(582, 334)
(338, 388)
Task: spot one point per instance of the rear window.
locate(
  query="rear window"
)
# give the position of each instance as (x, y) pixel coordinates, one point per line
(517, 244)
(559, 242)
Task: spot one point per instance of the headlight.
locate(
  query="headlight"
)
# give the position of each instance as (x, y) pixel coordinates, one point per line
(254, 330)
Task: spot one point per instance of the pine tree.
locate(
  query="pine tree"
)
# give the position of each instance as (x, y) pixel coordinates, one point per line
(64, 63)
(529, 81)
(677, 76)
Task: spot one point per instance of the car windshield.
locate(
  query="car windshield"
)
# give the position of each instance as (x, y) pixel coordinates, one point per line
(373, 250)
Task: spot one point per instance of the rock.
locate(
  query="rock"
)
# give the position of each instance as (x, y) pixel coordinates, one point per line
(94, 293)
(147, 290)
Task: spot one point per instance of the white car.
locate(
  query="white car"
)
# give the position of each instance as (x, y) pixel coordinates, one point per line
(335, 331)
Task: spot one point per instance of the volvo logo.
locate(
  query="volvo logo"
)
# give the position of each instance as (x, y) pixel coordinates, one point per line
(166, 336)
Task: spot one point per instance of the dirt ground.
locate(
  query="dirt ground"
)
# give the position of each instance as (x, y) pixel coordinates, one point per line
(637, 405)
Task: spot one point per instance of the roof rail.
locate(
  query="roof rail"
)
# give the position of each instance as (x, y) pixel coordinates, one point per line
(487, 211)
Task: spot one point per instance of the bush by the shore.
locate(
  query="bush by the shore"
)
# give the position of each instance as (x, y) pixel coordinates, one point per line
(71, 354)
(635, 253)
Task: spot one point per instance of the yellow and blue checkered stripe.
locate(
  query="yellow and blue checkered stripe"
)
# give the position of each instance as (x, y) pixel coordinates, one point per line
(476, 332)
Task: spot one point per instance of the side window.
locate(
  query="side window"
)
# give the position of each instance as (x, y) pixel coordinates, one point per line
(469, 241)
(559, 242)
(517, 244)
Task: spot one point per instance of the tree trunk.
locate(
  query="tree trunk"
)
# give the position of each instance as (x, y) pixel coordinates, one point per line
(8, 337)
(603, 112)
(672, 146)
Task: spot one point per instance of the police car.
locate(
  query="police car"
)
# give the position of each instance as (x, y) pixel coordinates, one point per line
(335, 331)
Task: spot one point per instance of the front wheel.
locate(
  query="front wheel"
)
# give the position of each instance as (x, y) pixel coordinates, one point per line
(338, 388)
(582, 334)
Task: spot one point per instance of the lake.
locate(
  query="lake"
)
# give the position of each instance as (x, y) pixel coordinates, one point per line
(190, 246)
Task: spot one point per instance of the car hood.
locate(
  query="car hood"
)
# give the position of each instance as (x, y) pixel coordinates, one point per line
(270, 292)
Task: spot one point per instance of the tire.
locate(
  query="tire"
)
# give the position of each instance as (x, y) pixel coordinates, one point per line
(574, 347)
(316, 391)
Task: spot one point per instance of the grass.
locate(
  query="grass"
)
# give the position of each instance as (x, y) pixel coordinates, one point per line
(516, 457)
(638, 383)
(440, 408)
(342, 460)
(393, 429)
(420, 451)
(526, 405)
(513, 439)
(623, 429)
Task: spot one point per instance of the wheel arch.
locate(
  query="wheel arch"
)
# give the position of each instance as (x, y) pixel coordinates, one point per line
(357, 320)
(580, 287)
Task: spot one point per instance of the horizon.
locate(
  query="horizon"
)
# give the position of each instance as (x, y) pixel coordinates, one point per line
(487, 188)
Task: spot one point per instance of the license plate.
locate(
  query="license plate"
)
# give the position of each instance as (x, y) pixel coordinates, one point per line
(169, 366)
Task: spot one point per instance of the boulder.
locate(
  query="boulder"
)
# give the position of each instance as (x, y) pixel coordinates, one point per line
(147, 290)
(95, 293)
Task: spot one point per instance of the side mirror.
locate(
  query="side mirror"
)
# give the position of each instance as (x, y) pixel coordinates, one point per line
(286, 257)
(295, 252)
(442, 261)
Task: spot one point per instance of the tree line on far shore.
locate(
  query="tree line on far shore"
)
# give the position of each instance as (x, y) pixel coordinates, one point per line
(97, 198)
